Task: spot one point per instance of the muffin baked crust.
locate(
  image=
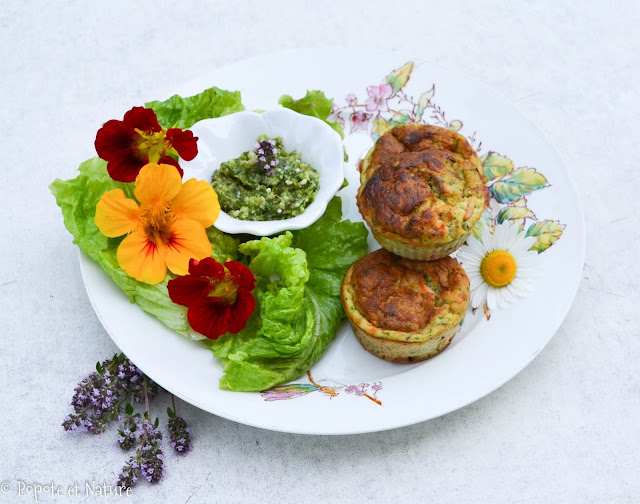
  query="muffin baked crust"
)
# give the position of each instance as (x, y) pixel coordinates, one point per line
(404, 310)
(422, 190)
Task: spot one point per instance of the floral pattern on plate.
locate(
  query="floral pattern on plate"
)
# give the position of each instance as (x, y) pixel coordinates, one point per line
(389, 104)
(293, 390)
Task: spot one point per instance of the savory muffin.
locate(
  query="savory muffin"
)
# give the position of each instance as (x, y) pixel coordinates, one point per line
(422, 190)
(404, 310)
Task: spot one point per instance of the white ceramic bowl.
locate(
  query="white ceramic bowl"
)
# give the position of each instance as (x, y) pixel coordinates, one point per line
(227, 137)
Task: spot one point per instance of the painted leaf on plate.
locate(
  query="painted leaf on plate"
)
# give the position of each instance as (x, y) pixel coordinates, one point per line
(546, 232)
(399, 77)
(399, 118)
(484, 221)
(517, 184)
(423, 102)
(380, 127)
(514, 213)
(495, 165)
(455, 125)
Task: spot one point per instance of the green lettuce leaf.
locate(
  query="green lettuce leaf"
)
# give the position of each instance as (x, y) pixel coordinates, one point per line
(179, 112)
(298, 302)
(314, 104)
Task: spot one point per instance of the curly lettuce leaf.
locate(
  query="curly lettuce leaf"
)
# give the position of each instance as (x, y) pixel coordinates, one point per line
(298, 302)
(314, 104)
(179, 112)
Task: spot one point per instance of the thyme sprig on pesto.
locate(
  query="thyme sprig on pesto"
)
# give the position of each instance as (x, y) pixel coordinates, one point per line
(268, 183)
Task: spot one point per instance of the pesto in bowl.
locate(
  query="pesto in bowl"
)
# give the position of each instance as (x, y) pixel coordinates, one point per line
(267, 183)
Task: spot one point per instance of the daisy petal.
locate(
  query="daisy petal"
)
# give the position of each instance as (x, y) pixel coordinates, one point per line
(477, 247)
(492, 298)
(521, 245)
(487, 239)
(479, 296)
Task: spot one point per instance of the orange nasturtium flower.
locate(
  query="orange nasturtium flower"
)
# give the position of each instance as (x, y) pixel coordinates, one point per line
(166, 229)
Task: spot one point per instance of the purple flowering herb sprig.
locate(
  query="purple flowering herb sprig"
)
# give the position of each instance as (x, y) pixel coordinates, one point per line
(266, 152)
(179, 431)
(99, 399)
(148, 461)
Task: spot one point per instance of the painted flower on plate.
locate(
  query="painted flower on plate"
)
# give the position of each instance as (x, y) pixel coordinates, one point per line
(138, 139)
(359, 121)
(166, 229)
(218, 296)
(351, 99)
(378, 96)
(500, 266)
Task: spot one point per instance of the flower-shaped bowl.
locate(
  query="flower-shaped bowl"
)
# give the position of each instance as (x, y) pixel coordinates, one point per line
(227, 137)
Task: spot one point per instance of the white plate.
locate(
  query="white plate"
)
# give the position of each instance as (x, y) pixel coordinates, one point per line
(482, 357)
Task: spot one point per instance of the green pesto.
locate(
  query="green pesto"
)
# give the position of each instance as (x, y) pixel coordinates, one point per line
(249, 191)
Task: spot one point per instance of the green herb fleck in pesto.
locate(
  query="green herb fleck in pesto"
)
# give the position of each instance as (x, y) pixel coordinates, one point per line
(267, 183)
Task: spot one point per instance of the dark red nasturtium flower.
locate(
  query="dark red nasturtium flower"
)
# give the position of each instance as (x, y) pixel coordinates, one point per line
(138, 139)
(218, 296)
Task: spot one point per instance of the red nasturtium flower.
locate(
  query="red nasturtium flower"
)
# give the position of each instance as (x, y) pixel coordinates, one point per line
(218, 296)
(137, 140)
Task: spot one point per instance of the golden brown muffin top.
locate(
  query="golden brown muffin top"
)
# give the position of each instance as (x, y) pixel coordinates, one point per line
(422, 182)
(404, 295)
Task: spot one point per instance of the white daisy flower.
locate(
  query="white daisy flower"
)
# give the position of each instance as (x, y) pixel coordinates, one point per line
(500, 267)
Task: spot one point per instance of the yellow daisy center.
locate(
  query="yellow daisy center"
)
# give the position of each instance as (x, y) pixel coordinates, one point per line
(498, 268)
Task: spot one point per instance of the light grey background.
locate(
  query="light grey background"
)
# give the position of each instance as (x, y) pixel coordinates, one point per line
(566, 429)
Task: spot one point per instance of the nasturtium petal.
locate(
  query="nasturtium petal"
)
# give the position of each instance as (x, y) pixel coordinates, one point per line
(183, 142)
(241, 310)
(210, 318)
(207, 267)
(116, 214)
(143, 119)
(519, 183)
(495, 165)
(114, 137)
(188, 289)
(546, 232)
(142, 259)
(198, 201)
(188, 241)
(241, 275)
(157, 184)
